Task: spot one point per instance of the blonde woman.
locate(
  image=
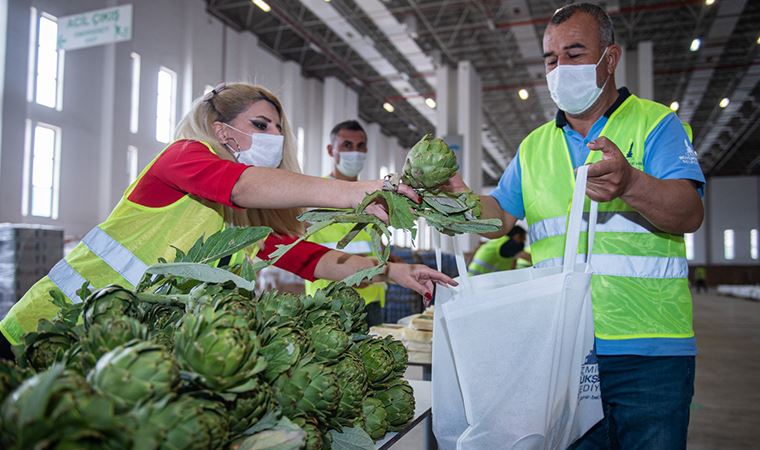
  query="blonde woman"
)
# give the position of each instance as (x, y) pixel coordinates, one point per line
(233, 162)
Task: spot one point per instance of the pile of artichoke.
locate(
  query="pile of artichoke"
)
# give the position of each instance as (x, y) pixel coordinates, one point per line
(185, 363)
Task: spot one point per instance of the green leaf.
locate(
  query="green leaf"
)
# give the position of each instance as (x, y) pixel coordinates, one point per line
(248, 270)
(267, 422)
(351, 235)
(445, 204)
(364, 274)
(284, 436)
(351, 439)
(200, 272)
(223, 243)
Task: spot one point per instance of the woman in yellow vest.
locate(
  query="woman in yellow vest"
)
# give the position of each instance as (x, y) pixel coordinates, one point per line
(233, 162)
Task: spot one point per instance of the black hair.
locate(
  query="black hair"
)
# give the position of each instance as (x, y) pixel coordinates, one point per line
(516, 230)
(606, 29)
(350, 125)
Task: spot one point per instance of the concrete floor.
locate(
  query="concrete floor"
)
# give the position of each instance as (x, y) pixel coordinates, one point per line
(726, 406)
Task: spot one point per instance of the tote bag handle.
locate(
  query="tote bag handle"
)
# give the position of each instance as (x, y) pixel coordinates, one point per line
(573, 235)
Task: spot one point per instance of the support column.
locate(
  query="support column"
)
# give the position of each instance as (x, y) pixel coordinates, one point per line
(446, 100)
(646, 70)
(333, 105)
(377, 152)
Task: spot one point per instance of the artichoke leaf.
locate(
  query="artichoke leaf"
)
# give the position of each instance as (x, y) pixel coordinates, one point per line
(200, 272)
(364, 274)
(284, 436)
(445, 204)
(353, 438)
(351, 235)
(223, 243)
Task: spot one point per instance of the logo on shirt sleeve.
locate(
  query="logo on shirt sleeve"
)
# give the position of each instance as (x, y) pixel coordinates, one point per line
(689, 156)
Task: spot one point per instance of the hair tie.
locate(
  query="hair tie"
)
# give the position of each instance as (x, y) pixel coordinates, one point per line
(215, 91)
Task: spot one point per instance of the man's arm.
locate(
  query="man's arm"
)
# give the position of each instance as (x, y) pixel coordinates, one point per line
(673, 206)
(490, 209)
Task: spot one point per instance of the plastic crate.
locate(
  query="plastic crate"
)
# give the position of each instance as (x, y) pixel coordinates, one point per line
(400, 302)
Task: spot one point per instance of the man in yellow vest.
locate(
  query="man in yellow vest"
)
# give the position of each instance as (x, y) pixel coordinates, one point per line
(348, 150)
(500, 254)
(646, 177)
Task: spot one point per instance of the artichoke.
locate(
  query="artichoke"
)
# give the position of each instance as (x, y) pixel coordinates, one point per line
(162, 320)
(349, 300)
(50, 343)
(248, 408)
(400, 356)
(135, 372)
(107, 303)
(181, 422)
(398, 401)
(58, 409)
(281, 349)
(218, 350)
(374, 419)
(276, 308)
(106, 336)
(352, 380)
(315, 439)
(429, 164)
(308, 388)
(377, 358)
(11, 376)
(328, 341)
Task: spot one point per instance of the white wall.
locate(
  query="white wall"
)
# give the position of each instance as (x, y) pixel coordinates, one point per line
(177, 34)
(732, 203)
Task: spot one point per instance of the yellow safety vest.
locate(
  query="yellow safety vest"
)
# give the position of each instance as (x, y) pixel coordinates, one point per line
(329, 237)
(118, 251)
(639, 287)
(488, 259)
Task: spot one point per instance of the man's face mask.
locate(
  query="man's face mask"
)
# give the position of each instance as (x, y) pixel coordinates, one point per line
(351, 163)
(573, 87)
(265, 149)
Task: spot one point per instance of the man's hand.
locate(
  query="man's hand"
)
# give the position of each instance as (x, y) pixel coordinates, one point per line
(611, 177)
(417, 277)
(456, 184)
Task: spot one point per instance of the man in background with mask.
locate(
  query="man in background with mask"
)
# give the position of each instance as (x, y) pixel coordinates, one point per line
(646, 177)
(500, 254)
(348, 150)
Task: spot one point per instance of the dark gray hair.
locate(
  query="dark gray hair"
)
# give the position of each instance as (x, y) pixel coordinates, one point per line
(606, 30)
(350, 125)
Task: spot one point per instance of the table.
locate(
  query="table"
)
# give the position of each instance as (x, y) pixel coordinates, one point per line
(426, 369)
(422, 407)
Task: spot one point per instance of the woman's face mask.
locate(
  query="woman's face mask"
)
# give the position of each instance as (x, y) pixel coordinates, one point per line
(265, 149)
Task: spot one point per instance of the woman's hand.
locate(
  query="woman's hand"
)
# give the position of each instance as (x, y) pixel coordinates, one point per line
(378, 208)
(417, 277)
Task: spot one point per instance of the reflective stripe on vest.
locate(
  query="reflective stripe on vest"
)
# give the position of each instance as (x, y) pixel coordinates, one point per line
(608, 221)
(483, 264)
(353, 247)
(121, 260)
(630, 266)
(68, 280)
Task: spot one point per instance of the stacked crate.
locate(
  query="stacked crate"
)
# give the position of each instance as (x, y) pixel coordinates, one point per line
(27, 253)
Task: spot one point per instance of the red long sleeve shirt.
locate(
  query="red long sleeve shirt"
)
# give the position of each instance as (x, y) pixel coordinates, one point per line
(187, 167)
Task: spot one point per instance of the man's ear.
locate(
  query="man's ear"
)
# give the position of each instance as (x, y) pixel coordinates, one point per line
(613, 58)
(330, 150)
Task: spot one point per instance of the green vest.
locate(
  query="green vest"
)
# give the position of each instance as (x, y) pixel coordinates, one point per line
(639, 287)
(488, 259)
(329, 237)
(118, 251)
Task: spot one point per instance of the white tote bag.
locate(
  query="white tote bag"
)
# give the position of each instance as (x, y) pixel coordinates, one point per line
(513, 361)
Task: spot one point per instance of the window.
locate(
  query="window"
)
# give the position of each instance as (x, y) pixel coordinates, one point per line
(728, 244)
(45, 62)
(134, 112)
(301, 146)
(131, 163)
(166, 94)
(689, 241)
(753, 243)
(41, 170)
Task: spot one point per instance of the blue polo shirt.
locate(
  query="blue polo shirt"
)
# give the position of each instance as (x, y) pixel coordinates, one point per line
(668, 155)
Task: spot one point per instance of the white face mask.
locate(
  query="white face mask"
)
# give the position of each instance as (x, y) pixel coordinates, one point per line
(573, 87)
(265, 149)
(351, 163)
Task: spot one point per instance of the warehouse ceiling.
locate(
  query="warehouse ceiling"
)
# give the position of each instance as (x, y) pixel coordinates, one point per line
(502, 40)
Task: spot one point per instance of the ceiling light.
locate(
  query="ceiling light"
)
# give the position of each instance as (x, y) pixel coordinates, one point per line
(430, 102)
(758, 40)
(523, 94)
(264, 6)
(388, 107)
(674, 106)
(695, 44)
(707, 2)
(723, 103)
(327, 1)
